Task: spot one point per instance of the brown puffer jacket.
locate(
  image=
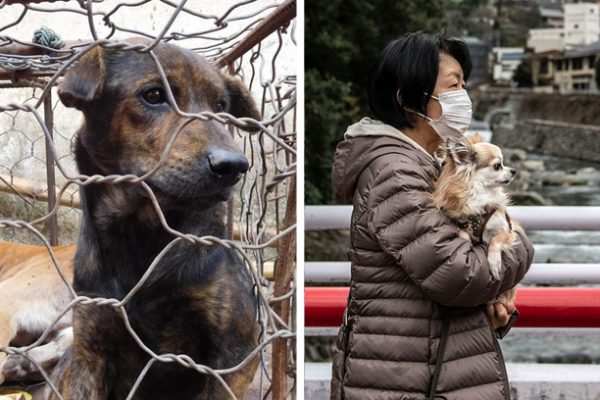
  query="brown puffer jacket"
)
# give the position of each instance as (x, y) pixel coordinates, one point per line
(410, 272)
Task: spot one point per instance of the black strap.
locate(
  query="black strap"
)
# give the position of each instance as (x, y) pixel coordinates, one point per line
(440, 354)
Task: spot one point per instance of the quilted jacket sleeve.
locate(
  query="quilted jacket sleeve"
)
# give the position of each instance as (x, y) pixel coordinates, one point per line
(425, 243)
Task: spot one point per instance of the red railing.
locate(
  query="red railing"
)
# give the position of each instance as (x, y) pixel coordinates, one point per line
(538, 307)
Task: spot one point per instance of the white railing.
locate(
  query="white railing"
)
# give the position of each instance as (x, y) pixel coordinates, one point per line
(530, 217)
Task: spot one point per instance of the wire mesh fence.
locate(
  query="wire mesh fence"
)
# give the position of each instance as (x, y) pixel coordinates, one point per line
(40, 185)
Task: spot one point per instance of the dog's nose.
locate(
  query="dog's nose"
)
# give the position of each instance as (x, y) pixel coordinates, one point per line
(227, 163)
(512, 172)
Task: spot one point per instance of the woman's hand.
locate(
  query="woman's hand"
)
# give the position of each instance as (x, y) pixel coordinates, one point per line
(499, 313)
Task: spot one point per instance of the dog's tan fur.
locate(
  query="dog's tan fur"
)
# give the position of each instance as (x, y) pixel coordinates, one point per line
(454, 195)
(32, 295)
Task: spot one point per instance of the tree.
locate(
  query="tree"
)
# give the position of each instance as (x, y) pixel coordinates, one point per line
(522, 75)
(343, 38)
(597, 71)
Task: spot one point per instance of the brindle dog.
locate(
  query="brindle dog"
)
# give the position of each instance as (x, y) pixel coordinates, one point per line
(200, 299)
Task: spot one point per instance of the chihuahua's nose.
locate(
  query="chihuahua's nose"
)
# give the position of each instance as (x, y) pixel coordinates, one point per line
(227, 163)
(512, 172)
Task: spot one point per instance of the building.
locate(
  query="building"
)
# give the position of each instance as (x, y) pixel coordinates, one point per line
(506, 61)
(480, 58)
(579, 25)
(546, 39)
(582, 23)
(569, 71)
(552, 17)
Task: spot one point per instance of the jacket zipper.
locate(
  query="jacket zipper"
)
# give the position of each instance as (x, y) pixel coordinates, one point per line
(503, 364)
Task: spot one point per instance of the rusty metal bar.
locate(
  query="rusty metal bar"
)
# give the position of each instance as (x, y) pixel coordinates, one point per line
(50, 174)
(278, 18)
(284, 274)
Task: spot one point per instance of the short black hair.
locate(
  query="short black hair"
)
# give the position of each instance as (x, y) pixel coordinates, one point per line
(411, 64)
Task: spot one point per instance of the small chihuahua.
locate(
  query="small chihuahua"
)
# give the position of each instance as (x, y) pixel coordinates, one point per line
(470, 190)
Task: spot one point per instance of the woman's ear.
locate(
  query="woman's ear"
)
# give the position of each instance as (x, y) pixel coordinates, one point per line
(84, 82)
(241, 102)
(460, 151)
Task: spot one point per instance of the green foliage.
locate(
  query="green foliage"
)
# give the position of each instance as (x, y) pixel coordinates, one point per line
(522, 75)
(343, 39)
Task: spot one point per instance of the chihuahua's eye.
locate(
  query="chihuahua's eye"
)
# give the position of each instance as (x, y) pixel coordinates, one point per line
(497, 167)
(154, 96)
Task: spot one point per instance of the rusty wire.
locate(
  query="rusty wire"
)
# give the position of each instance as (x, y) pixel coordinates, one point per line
(261, 199)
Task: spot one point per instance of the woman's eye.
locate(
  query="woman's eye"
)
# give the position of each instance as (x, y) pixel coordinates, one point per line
(154, 96)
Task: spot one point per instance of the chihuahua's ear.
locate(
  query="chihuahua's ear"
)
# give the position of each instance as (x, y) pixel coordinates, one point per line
(84, 82)
(460, 151)
(242, 104)
(476, 138)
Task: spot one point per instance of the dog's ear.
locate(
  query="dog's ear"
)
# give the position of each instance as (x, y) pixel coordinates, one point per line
(242, 104)
(83, 82)
(460, 151)
(476, 138)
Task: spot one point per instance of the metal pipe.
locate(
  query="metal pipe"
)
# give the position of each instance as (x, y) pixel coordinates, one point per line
(572, 274)
(538, 307)
(530, 217)
(278, 18)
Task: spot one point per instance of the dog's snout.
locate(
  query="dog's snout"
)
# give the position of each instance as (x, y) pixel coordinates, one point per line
(227, 163)
(513, 172)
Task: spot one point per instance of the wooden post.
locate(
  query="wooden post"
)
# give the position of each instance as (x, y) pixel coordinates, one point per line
(284, 274)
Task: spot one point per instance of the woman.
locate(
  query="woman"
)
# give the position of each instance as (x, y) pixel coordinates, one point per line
(417, 326)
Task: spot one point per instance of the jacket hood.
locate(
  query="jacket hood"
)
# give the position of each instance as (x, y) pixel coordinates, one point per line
(363, 142)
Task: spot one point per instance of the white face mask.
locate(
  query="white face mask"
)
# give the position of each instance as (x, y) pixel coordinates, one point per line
(457, 111)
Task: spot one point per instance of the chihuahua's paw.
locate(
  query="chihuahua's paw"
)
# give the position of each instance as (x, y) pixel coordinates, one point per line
(495, 262)
(464, 234)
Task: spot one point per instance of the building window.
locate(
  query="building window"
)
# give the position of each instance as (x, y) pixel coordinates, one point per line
(591, 61)
(559, 65)
(544, 66)
(578, 63)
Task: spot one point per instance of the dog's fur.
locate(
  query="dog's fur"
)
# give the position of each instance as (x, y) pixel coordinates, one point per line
(471, 185)
(32, 296)
(199, 300)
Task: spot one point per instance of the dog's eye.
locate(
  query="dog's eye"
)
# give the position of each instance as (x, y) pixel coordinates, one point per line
(154, 96)
(497, 167)
(221, 106)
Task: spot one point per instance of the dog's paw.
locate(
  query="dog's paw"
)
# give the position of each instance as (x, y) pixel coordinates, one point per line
(17, 368)
(495, 262)
(464, 234)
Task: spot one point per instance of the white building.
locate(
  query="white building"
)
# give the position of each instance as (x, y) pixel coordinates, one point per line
(582, 23)
(506, 61)
(544, 39)
(552, 17)
(581, 28)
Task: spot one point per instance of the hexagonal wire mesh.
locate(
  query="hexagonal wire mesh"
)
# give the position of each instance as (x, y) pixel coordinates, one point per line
(251, 39)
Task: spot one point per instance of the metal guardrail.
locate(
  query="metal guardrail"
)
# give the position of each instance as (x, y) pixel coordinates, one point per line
(530, 217)
(548, 274)
(538, 307)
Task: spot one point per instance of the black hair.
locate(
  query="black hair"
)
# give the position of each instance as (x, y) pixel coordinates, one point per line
(410, 64)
